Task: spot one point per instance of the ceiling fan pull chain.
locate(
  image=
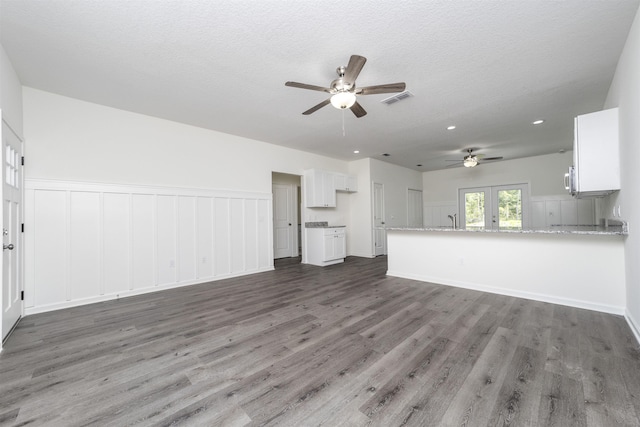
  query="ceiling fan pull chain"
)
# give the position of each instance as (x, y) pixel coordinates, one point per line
(343, 131)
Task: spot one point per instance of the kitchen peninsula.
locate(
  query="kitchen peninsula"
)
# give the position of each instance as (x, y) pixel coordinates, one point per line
(579, 266)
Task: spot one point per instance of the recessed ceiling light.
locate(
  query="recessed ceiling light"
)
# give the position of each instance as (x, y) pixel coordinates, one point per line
(356, 151)
(452, 127)
(538, 122)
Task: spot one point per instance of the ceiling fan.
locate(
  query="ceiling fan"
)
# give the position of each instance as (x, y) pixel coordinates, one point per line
(471, 160)
(343, 89)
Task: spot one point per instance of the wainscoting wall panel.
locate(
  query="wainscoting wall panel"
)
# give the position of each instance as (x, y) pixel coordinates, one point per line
(87, 242)
(117, 242)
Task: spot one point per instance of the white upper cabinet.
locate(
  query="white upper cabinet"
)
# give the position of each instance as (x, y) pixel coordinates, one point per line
(596, 155)
(320, 191)
(348, 183)
(321, 186)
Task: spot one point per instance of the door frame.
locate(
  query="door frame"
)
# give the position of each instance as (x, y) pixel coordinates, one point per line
(292, 214)
(491, 205)
(296, 210)
(378, 229)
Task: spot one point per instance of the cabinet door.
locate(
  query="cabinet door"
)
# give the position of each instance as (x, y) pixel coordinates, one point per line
(319, 188)
(329, 247)
(340, 181)
(596, 152)
(344, 182)
(352, 183)
(328, 190)
(340, 247)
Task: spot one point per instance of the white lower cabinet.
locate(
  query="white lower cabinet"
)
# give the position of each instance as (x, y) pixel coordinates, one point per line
(326, 246)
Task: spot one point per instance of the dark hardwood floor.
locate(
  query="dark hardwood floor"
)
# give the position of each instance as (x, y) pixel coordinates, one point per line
(305, 346)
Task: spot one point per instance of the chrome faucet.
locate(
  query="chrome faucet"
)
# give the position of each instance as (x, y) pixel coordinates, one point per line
(454, 220)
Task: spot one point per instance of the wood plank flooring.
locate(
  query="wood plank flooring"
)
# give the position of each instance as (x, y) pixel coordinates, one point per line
(343, 345)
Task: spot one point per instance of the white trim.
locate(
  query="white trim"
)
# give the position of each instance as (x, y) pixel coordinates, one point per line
(634, 325)
(47, 184)
(509, 292)
(121, 294)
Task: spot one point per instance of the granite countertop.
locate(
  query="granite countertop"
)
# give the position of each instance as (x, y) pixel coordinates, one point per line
(321, 224)
(621, 230)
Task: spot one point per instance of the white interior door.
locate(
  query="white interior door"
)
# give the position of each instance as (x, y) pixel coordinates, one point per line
(379, 233)
(11, 210)
(284, 222)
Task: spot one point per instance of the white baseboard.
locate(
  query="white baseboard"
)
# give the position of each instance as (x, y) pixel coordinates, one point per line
(518, 294)
(361, 255)
(633, 324)
(129, 293)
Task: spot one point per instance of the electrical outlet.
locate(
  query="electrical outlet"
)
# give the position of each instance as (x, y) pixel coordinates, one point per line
(204, 259)
(172, 264)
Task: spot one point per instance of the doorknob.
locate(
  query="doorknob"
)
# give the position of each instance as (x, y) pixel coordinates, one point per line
(9, 246)
(289, 224)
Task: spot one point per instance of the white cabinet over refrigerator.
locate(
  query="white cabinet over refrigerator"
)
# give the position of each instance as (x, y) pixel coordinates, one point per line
(596, 160)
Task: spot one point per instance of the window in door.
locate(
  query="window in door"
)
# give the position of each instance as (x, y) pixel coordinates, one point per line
(474, 217)
(502, 207)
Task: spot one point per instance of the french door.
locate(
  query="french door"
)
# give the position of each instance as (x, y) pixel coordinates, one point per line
(504, 207)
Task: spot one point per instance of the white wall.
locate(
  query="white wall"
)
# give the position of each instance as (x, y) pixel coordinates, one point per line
(397, 181)
(360, 225)
(72, 143)
(10, 94)
(625, 94)
(544, 174)
(73, 140)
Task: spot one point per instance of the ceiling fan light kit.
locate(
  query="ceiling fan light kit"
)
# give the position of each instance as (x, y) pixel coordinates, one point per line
(342, 100)
(343, 89)
(470, 161)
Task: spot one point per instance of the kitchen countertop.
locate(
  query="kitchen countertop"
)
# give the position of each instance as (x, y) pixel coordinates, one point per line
(621, 230)
(321, 224)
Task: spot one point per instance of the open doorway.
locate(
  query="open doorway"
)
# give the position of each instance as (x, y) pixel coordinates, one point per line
(287, 225)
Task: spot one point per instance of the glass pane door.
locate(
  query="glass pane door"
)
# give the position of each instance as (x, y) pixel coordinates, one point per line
(510, 206)
(510, 209)
(473, 215)
(502, 207)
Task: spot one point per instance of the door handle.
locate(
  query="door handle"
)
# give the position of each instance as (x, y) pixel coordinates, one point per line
(9, 246)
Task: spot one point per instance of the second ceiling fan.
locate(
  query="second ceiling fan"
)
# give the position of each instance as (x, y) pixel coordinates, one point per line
(343, 89)
(471, 160)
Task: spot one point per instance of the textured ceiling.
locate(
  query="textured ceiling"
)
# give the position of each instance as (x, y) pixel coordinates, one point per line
(489, 67)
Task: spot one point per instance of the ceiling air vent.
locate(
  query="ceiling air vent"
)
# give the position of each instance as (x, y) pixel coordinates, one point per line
(397, 97)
